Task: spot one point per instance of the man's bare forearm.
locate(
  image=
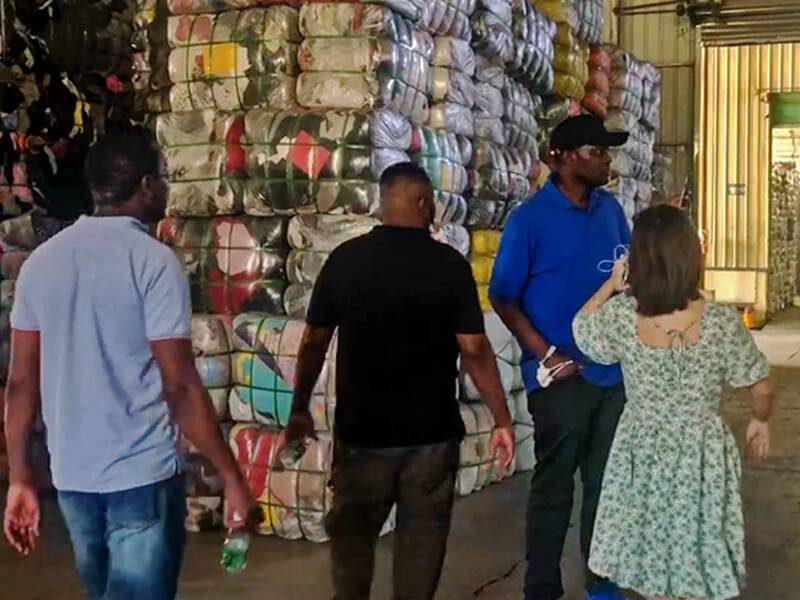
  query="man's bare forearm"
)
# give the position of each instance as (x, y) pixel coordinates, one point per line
(478, 360)
(520, 325)
(22, 402)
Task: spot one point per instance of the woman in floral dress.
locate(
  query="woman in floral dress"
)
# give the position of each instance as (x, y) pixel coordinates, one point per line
(669, 522)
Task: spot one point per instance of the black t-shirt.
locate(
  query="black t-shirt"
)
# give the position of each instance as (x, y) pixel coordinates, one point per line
(398, 298)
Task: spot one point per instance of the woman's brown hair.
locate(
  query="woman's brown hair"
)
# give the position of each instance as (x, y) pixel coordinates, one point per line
(665, 261)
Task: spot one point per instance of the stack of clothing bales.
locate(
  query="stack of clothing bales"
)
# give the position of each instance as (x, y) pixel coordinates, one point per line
(228, 60)
(534, 50)
(634, 104)
(572, 52)
(784, 235)
(483, 250)
(590, 20)
(478, 467)
(598, 87)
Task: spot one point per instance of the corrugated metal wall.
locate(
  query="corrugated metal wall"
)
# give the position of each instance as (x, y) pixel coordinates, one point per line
(733, 158)
(667, 41)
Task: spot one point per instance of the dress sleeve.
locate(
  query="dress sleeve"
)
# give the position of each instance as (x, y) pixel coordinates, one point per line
(745, 364)
(599, 334)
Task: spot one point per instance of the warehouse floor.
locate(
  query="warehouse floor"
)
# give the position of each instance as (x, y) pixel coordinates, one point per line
(486, 546)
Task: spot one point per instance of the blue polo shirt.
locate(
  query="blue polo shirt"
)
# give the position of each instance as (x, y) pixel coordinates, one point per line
(553, 256)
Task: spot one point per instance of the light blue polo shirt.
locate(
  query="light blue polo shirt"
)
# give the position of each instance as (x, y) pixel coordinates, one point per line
(553, 257)
(98, 293)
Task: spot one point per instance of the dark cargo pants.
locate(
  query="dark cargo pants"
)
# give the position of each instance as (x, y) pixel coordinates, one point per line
(367, 482)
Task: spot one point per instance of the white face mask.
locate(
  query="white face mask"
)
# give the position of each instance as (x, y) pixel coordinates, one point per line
(544, 374)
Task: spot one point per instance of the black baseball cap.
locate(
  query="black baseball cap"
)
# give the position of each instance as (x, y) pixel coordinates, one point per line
(584, 130)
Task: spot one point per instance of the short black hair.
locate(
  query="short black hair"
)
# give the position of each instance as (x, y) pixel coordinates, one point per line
(404, 171)
(118, 161)
(665, 261)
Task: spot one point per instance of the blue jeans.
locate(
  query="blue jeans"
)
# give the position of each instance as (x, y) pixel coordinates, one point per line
(128, 545)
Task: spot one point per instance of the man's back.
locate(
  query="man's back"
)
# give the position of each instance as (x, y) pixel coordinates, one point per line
(98, 294)
(399, 298)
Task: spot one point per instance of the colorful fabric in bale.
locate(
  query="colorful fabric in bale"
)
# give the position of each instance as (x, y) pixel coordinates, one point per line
(322, 161)
(442, 155)
(491, 30)
(294, 500)
(363, 57)
(521, 128)
(483, 249)
(477, 468)
(455, 236)
(204, 487)
(205, 162)
(211, 346)
(232, 60)
(264, 365)
(449, 18)
(598, 85)
(415, 11)
(234, 264)
(188, 7)
(534, 51)
(453, 96)
(560, 11)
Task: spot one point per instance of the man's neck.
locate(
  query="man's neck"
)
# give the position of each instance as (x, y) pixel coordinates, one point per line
(576, 192)
(111, 211)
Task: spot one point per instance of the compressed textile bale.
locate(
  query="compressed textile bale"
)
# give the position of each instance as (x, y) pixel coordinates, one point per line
(363, 57)
(264, 364)
(477, 468)
(453, 53)
(442, 155)
(233, 60)
(205, 162)
(521, 129)
(590, 20)
(211, 346)
(322, 161)
(323, 233)
(204, 487)
(234, 264)
(449, 18)
(294, 500)
(414, 10)
(506, 352)
(491, 30)
(523, 432)
(186, 7)
(534, 50)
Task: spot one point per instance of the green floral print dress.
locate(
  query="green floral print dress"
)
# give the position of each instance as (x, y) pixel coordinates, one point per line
(669, 522)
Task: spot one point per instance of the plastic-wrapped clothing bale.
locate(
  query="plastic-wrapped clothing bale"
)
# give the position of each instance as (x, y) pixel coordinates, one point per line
(477, 468)
(320, 161)
(204, 486)
(231, 60)
(234, 264)
(598, 86)
(521, 128)
(264, 365)
(361, 57)
(560, 11)
(440, 154)
(453, 96)
(449, 18)
(188, 7)
(295, 500)
(651, 99)
(570, 65)
(416, 11)
(491, 30)
(453, 53)
(504, 346)
(490, 185)
(590, 20)
(211, 345)
(205, 162)
(489, 112)
(484, 244)
(534, 51)
(523, 432)
(455, 236)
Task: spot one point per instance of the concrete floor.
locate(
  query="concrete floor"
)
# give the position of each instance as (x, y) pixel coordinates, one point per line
(486, 545)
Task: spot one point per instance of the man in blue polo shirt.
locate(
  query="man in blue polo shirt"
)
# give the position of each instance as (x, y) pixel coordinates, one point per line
(555, 253)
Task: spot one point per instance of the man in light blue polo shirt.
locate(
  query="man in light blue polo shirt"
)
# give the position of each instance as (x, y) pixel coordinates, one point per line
(100, 339)
(556, 252)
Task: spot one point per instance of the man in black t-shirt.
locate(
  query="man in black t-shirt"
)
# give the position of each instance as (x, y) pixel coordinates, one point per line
(405, 306)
